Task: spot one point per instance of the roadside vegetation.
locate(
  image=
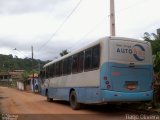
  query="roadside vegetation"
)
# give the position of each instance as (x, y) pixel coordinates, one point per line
(154, 39)
(10, 63)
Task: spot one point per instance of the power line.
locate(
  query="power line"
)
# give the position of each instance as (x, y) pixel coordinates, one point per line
(132, 6)
(74, 9)
(20, 52)
(90, 31)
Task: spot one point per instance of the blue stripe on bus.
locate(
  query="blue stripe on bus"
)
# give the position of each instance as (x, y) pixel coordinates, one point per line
(101, 94)
(84, 94)
(94, 95)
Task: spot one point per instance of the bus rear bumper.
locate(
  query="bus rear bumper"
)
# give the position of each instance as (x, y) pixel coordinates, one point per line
(113, 96)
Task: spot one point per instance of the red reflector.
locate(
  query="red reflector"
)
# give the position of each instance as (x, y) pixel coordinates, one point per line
(115, 73)
(105, 78)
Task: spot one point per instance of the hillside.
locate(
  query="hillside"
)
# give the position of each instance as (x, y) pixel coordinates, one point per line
(9, 63)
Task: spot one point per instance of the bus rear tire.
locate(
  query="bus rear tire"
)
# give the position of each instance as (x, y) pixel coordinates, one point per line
(49, 99)
(73, 101)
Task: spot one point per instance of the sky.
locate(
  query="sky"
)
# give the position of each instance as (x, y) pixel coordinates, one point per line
(49, 26)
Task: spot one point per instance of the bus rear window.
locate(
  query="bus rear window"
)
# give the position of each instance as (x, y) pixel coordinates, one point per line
(129, 51)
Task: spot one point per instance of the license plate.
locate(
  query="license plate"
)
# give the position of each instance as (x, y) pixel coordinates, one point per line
(131, 86)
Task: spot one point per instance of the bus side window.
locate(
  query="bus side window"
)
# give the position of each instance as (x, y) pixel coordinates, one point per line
(60, 68)
(46, 72)
(65, 66)
(75, 64)
(69, 65)
(54, 72)
(42, 74)
(57, 69)
(80, 61)
(95, 57)
(50, 71)
(88, 59)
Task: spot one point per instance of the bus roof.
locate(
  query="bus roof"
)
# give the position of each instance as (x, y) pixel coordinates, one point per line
(92, 44)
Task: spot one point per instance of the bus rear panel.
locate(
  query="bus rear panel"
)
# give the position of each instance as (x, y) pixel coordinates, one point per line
(127, 74)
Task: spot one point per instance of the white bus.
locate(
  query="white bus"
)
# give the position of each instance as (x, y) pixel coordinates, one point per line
(111, 69)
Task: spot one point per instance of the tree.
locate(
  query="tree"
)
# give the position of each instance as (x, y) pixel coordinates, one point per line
(64, 52)
(25, 75)
(157, 63)
(154, 39)
(10, 56)
(9, 63)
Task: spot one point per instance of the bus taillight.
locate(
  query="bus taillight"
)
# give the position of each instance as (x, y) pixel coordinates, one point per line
(105, 78)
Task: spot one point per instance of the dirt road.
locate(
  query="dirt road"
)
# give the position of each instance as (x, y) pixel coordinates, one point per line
(13, 101)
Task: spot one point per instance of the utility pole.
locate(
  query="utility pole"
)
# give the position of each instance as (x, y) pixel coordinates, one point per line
(32, 69)
(112, 18)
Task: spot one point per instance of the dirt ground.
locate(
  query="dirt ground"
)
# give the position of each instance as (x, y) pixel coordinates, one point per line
(28, 105)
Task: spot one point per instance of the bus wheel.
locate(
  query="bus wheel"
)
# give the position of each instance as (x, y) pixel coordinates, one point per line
(73, 101)
(49, 99)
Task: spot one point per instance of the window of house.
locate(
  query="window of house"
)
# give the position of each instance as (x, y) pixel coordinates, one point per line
(5, 77)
